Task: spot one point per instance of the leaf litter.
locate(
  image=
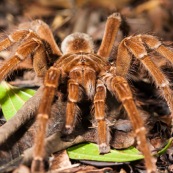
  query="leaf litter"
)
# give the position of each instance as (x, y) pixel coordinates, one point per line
(136, 18)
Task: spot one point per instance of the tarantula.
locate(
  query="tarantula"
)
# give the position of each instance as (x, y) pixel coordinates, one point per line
(89, 72)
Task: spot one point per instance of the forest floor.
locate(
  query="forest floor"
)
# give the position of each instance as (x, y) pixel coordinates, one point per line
(64, 17)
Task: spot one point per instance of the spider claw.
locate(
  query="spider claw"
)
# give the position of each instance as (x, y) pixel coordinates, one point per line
(104, 148)
(68, 129)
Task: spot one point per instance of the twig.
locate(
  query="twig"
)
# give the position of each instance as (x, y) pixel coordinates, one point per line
(52, 144)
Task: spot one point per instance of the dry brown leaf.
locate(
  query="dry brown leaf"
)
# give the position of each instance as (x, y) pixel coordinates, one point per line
(60, 161)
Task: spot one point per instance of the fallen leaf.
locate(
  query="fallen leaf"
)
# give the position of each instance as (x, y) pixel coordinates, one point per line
(13, 98)
(89, 151)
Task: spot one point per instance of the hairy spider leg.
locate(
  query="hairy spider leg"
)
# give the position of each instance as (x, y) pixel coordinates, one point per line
(72, 110)
(120, 88)
(40, 65)
(44, 32)
(136, 47)
(14, 38)
(153, 43)
(100, 117)
(51, 82)
(35, 33)
(26, 49)
(111, 30)
(85, 77)
(123, 60)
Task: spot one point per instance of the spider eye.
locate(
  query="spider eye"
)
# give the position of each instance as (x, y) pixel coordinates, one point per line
(77, 42)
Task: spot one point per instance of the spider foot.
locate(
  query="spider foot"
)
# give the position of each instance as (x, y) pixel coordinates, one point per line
(104, 148)
(37, 166)
(68, 130)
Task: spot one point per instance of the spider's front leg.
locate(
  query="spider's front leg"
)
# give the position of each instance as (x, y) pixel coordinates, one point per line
(82, 78)
(72, 109)
(100, 117)
(50, 85)
(120, 88)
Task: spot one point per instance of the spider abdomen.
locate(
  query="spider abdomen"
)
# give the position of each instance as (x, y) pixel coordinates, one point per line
(77, 42)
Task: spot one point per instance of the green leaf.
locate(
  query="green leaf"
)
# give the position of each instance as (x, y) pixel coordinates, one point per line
(13, 98)
(163, 150)
(89, 151)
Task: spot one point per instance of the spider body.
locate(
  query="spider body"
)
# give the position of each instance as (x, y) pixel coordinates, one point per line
(83, 69)
(86, 72)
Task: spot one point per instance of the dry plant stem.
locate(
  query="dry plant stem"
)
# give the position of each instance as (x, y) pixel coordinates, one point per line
(21, 117)
(111, 30)
(53, 144)
(120, 88)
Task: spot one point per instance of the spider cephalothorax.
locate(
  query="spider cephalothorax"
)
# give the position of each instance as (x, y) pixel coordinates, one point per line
(83, 68)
